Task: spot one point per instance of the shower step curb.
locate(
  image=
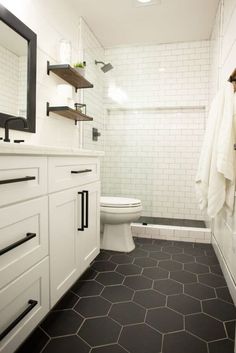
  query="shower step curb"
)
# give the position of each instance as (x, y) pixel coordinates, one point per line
(189, 234)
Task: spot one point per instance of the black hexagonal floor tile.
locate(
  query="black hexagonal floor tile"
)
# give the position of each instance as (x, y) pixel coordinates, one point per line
(66, 344)
(88, 275)
(138, 253)
(129, 269)
(144, 240)
(219, 309)
(170, 265)
(205, 327)
(224, 294)
(103, 266)
(158, 255)
(121, 259)
(230, 328)
(184, 304)
(222, 346)
(149, 298)
(152, 247)
(168, 286)
(199, 291)
(113, 348)
(93, 306)
(183, 277)
(68, 301)
(116, 294)
(138, 282)
(207, 260)
(212, 280)
(109, 278)
(59, 323)
(127, 313)
(194, 251)
(183, 258)
(140, 339)
(172, 250)
(196, 268)
(183, 342)
(216, 270)
(145, 262)
(103, 256)
(99, 331)
(87, 288)
(155, 273)
(34, 343)
(165, 320)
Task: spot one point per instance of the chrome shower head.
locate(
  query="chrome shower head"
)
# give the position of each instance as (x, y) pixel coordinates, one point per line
(106, 67)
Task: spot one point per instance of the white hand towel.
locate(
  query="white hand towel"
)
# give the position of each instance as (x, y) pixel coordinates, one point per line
(215, 181)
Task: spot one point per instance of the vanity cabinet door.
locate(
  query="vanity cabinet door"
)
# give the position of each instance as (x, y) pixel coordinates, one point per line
(63, 210)
(89, 237)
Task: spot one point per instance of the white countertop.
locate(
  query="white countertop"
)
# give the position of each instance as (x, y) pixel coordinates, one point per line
(41, 150)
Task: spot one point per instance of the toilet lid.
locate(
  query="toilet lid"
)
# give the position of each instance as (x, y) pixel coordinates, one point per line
(107, 201)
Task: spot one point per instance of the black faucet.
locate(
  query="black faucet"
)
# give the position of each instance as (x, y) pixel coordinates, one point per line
(6, 139)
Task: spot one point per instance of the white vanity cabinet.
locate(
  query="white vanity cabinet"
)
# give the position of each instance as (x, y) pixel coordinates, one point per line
(74, 220)
(49, 231)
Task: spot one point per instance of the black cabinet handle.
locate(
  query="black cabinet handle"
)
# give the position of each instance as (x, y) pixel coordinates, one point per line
(86, 209)
(32, 303)
(17, 180)
(17, 243)
(81, 171)
(82, 210)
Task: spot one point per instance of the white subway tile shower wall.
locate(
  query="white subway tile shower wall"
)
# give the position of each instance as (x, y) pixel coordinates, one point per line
(152, 154)
(93, 98)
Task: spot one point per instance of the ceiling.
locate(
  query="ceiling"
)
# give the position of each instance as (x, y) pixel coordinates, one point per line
(121, 22)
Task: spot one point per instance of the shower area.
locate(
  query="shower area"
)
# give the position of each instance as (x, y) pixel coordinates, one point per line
(156, 102)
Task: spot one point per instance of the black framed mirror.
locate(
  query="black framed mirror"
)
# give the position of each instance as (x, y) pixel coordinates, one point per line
(18, 46)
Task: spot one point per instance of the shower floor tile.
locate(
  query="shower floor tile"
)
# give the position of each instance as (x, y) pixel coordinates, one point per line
(164, 297)
(172, 222)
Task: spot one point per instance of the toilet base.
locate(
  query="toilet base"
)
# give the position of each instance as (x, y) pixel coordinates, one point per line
(117, 237)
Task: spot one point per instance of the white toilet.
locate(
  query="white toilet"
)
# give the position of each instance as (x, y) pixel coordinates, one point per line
(117, 213)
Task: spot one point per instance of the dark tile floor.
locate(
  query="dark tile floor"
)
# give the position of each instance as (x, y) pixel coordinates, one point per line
(168, 297)
(172, 222)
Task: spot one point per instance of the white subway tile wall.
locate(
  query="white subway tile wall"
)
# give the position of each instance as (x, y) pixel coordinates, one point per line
(93, 98)
(153, 141)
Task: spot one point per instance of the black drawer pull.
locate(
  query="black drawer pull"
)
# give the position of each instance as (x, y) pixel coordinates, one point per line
(17, 243)
(81, 171)
(82, 210)
(86, 209)
(32, 304)
(17, 180)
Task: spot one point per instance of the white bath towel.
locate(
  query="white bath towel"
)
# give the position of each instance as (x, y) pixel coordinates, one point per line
(215, 181)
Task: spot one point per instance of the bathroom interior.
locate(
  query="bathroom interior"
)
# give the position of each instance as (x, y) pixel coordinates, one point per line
(117, 176)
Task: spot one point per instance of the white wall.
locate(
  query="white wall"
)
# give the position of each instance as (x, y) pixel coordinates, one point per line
(93, 50)
(153, 138)
(225, 56)
(51, 21)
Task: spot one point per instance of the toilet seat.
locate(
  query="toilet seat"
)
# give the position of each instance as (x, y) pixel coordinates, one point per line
(119, 202)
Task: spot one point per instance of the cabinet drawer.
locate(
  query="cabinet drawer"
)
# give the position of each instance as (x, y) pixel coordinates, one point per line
(68, 172)
(23, 237)
(23, 304)
(21, 178)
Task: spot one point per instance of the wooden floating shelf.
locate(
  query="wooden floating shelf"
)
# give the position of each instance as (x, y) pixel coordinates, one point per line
(68, 113)
(70, 75)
